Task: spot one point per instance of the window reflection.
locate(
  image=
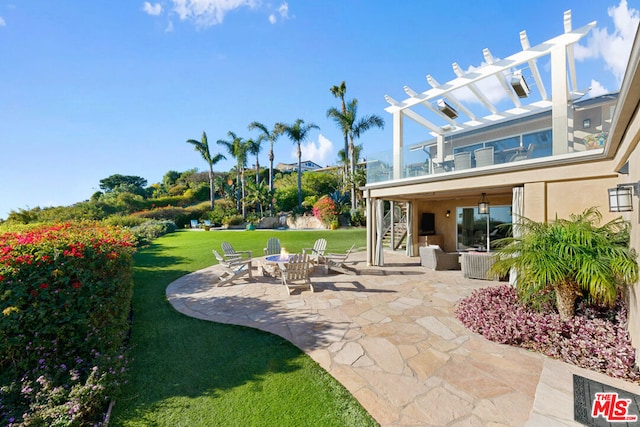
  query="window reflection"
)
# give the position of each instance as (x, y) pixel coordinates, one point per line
(472, 227)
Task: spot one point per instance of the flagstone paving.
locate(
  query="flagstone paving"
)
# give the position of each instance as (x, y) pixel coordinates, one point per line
(390, 336)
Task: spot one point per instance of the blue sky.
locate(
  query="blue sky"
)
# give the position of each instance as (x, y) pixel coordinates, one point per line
(93, 88)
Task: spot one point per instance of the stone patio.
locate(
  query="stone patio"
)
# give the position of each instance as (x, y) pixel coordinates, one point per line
(389, 335)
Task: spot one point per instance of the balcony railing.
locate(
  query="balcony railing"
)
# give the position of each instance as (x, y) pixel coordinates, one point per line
(421, 161)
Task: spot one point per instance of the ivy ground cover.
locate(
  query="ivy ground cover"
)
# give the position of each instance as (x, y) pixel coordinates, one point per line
(65, 297)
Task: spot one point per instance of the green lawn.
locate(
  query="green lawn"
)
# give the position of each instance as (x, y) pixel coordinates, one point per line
(188, 372)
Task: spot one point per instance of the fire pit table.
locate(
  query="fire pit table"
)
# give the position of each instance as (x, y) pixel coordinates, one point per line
(270, 265)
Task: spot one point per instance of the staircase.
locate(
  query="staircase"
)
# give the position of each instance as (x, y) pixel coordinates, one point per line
(399, 227)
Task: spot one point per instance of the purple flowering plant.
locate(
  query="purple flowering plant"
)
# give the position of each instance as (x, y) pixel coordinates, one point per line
(596, 338)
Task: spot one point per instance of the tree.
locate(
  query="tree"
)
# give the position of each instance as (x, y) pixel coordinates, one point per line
(570, 257)
(270, 136)
(202, 147)
(254, 146)
(258, 194)
(114, 181)
(298, 132)
(339, 91)
(237, 148)
(354, 128)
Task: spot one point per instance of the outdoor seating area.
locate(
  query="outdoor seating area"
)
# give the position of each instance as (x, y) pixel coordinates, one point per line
(438, 363)
(434, 258)
(294, 270)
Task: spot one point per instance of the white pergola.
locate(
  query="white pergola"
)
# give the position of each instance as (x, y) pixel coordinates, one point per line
(508, 72)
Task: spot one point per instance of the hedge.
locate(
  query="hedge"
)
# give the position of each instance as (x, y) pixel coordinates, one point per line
(65, 298)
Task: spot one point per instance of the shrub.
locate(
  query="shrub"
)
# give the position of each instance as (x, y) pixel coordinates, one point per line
(66, 293)
(124, 220)
(325, 210)
(152, 229)
(179, 216)
(233, 220)
(595, 338)
(357, 218)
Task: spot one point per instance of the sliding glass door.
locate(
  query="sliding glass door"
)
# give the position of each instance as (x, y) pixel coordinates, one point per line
(472, 227)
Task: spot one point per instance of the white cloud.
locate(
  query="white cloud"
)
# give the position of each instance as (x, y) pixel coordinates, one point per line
(2, 22)
(597, 89)
(613, 48)
(283, 11)
(206, 13)
(152, 9)
(169, 27)
(320, 152)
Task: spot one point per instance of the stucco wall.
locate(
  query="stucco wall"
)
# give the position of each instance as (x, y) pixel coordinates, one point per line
(634, 219)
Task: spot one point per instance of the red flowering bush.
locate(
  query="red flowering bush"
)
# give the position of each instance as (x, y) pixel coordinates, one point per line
(595, 338)
(65, 295)
(325, 210)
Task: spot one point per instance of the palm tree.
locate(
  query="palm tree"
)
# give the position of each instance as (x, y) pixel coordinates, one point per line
(238, 148)
(354, 128)
(569, 257)
(203, 148)
(271, 136)
(253, 147)
(258, 194)
(298, 133)
(339, 91)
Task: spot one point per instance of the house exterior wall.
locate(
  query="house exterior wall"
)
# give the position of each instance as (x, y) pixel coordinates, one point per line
(634, 219)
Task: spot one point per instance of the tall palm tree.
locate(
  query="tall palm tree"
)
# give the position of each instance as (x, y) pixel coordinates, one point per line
(203, 148)
(354, 128)
(570, 257)
(270, 136)
(339, 91)
(237, 148)
(298, 132)
(254, 146)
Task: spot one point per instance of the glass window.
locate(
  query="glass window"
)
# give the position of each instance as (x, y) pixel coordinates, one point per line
(472, 227)
(540, 142)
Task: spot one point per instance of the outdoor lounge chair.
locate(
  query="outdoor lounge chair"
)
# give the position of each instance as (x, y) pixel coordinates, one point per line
(230, 252)
(462, 160)
(336, 262)
(233, 268)
(273, 246)
(484, 156)
(436, 259)
(316, 254)
(295, 273)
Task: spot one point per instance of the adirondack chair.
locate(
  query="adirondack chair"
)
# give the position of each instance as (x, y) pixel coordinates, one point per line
(273, 246)
(295, 273)
(230, 252)
(336, 262)
(233, 268)
(316, 254)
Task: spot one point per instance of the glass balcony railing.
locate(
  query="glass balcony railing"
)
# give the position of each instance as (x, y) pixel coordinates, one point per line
(421, 160)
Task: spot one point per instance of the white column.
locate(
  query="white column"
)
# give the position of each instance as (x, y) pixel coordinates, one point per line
(398, 161)
(560, 100)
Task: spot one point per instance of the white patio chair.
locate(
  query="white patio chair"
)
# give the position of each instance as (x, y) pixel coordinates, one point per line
(233, 268)
(295, 273)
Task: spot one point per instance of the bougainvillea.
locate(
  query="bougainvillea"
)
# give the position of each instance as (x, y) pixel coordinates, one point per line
(325, 210)
(595, 339)
(65, 295)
